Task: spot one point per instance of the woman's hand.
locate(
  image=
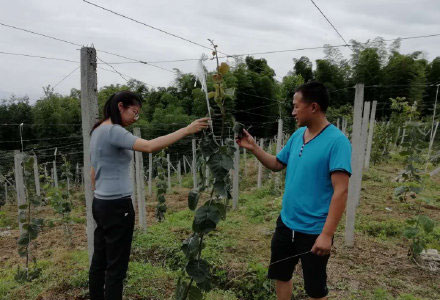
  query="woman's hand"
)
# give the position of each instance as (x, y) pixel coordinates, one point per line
(247, 141)
(197, 125)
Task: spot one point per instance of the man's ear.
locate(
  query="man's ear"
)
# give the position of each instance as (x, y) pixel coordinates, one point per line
(120, 106)
(315, 107)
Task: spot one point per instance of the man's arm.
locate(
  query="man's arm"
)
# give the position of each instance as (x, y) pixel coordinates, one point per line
(268, 160)
(323, 243)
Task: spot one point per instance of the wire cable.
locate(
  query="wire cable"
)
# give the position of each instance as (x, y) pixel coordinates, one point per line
(67, 76)
(331, 24)
(38, 56)
(147, 25)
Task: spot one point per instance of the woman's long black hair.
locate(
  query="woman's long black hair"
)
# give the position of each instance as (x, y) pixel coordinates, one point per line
(111, 109)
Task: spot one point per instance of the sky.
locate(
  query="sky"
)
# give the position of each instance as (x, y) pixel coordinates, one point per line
(237, 27)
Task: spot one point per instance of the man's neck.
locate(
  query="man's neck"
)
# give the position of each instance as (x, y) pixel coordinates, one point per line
(317, 125)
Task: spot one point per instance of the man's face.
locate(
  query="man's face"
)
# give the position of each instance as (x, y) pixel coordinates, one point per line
(302, 110)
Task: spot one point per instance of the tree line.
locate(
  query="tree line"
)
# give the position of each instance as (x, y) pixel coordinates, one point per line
(254, 97)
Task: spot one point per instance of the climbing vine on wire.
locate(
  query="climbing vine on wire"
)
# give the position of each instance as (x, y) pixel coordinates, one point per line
(31, 227)
(59, 199)
(161, 185)
(218, 157)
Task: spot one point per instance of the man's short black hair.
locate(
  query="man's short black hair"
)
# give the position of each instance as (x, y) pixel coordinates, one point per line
(314, 92)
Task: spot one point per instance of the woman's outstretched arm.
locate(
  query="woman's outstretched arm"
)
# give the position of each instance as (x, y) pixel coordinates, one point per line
(161, 142)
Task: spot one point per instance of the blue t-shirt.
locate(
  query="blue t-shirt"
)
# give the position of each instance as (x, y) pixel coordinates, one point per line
(308, 189)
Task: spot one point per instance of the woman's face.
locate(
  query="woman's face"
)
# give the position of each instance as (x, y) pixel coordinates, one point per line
(129, 114)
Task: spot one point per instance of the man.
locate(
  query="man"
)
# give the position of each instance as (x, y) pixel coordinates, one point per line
(317, 157)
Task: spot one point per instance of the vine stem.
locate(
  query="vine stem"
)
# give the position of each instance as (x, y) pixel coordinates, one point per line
(187, 289)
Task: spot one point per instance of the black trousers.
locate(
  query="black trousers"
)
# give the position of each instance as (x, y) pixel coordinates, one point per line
(112, 245)
(287, 243)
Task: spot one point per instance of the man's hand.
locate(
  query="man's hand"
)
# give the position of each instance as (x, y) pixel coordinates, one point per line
(247, 141)
(323, 245)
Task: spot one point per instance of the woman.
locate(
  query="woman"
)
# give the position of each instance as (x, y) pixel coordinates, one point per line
(111, 152)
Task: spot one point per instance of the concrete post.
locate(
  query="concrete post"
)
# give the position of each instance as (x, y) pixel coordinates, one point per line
(36, 177)
(260, 167)
(19, 185)
(370, 135)
(140, 184)
(179, 173)
(89, 116)
(150, 174)
(194, 168)
(236, 176)
(169, 172)
(355, 156)
(55, 173)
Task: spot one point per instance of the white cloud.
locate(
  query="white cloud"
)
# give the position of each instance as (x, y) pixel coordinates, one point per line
(237, 26)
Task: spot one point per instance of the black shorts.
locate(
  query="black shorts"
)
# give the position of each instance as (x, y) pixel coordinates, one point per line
(285, 243)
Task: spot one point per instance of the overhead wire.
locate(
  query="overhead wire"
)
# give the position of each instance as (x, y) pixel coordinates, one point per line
(331, 24)
(38, 56)
(149, 26)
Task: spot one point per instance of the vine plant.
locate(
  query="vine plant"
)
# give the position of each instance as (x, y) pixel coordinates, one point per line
(219, 158)
(161, 184)
(31, 226)
(412, 181)
(60, 200)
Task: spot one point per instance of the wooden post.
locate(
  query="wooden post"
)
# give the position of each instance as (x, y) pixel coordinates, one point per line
(140, 184)
(194, 171)
(89, 116)
(260, 167)
(169, 172)
(179, 173)
(36, 177)
(45, 171)
(356, 172)
(55, 174)
(236, 177)
(370, 135)
(6, 192)
(19, 185)
(338, 123)
(150, 174)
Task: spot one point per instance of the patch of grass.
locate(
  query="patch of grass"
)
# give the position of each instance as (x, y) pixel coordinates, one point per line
(217, 294)
(381, 229)
(161, 242)
(261, 206)
(64, 272)
(373, 175)
(145, 281)
(7, 220)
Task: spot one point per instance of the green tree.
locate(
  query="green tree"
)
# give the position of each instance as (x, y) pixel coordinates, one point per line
(404, 76)
(15, 111)
(303, 67)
